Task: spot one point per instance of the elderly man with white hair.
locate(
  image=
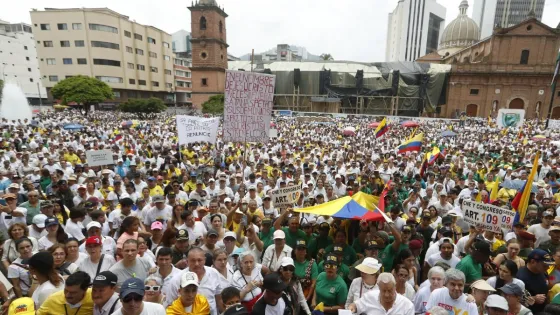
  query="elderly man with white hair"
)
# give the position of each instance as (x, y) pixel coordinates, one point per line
(384, 301)
(451, 297)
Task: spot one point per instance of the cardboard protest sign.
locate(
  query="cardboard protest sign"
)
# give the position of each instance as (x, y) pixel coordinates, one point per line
(553, 124)
(99, 157)
(487, 216)
(248, 106)
(196, 129)
(286, 196)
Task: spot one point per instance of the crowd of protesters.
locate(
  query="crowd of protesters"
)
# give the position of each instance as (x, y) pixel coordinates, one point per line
(192, 229)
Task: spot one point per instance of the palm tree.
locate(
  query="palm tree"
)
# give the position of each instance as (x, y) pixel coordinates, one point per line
(327, 57)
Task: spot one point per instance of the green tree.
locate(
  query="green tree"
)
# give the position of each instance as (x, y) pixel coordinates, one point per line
(214, 105)
(83, 90)
(143, 106)
(326, 57)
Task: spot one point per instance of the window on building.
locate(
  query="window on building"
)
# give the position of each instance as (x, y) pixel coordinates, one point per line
(64, 43)
(76, 26)
(131, 81)
(82, 61)
(187, 74)
(108, 79)
(152, 54)
(189, 95)
(131, 94)
(27, 58)
(154, 69)
(155, 83)
(169, 85)
(25, 47)
(130, 65)
(139, 51)
(221, 26)
(79, 43)
(45, 27)
(95, 43)
(53, 78)
(165, 57)
(474, 91)
(51, 61)
(30, 79)
(62, 26)
(137, 36)
(141, 82)
(129, 49)
(140, 67)
(103, 28)
(151, 40)
(202, 23)
(204, 82)
(167, 72)
(48, 43)
(107, 62)
(68, 76)
(127, 34)
(116, 94)
(28, 69)
(524, 57)
(67, 61)
(166, 44)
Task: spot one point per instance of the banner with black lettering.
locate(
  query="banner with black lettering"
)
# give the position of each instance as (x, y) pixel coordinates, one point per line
(487, 216)
(196, 129)
(285, 197)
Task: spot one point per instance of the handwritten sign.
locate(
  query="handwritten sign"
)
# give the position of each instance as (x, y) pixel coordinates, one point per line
(553, 124)
(489, 217)
(248, 106)
(196, 129)
(285, 197)
(99, 157)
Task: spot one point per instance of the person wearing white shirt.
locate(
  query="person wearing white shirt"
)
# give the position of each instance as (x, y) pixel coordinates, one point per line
(385, 301)
(131, 294)
(74, 226)
(366, 283)
(541, 229)
(273, 255)
(106, 301)
(11, 214)
(451, 297)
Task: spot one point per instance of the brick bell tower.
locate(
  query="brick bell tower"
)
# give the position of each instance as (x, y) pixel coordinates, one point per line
(209, 50)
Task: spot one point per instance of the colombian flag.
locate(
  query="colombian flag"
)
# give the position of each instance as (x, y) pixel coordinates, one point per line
(521, 200)
(433, 156)
(414, 144)
(382, 128)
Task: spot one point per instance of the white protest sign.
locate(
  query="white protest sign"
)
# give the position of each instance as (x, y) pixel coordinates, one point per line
(286, 196)
(510, 118)
(248, 106)
(196, 129)
(99, 157)
(273, 133)
(553, 124)
(489, 217)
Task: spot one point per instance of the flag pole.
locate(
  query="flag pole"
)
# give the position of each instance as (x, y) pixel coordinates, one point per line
(553, 84)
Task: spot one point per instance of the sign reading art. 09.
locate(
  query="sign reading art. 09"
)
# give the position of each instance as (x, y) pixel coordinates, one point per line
(286, 197)
(489, 217)
(99, 157)
(248, 105)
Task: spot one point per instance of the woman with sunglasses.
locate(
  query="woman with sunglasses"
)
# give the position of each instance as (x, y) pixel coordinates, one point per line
(18, 272)
(331, 290)
(369, 270)
(152, 287)
(293, 289)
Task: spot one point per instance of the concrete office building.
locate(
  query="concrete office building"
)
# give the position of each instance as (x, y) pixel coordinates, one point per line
(134, 59)
(414, 29)
(18, 60)
(490, 14)
(181, 42)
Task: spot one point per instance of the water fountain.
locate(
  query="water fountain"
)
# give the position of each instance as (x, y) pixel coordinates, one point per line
(14, 104)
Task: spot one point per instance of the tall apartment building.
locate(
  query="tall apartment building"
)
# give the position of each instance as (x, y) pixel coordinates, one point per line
(134, 59)
(414, 29)
(18, 60)
(183, 80)
(490, 14)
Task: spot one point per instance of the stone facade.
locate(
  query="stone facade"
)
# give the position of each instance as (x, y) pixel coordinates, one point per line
(209, 52)
(511, 69)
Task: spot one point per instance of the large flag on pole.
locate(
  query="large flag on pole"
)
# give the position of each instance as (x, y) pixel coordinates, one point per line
(414, 144)
(382, 128)
(521, 200)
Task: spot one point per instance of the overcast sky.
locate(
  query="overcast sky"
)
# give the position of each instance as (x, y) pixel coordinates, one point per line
(347, 29)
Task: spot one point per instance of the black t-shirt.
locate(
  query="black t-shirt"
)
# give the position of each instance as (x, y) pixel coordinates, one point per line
(260, 307)
(535, 283)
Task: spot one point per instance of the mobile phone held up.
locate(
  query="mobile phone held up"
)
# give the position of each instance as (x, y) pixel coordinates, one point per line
(3, 202)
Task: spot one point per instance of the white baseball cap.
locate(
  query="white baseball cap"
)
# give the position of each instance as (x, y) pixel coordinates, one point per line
(93, 224)
(497, 301)
(287, 261)
(189, 278)
(230, 234)
(279, 234)
(39, 220)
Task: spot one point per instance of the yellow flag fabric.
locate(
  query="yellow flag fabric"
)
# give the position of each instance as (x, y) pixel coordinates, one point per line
(524, 202)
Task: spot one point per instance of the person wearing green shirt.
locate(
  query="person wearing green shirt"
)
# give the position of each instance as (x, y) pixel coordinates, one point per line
(343, 269)
(33, 205)
(331, 290)
(306, 269)
(265, 233)
(387, 256)
(348, 253)
(471, 265)
(371, 250)
(308, 230)
(323, 240)
(293, 233)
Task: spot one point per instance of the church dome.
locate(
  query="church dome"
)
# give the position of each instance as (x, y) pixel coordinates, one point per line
(460, 33)
(208, 2)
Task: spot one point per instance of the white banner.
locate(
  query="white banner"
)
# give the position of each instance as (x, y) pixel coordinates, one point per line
(489, 217)
(248, 106)
(99, 157)
(197, 129)
(286, 196)
(512, 118)
(553, 124)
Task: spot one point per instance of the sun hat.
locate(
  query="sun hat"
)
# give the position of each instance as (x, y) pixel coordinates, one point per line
(369, 265)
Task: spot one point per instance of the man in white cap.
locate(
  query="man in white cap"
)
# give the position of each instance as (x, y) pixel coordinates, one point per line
(496, 305)
(94, 228)
(189, 300)
(37, 227)
(386, 300)
(273, 255)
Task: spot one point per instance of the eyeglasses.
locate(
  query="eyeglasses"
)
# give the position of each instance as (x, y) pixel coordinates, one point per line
(131, 297)
(152, 288)
(289, 268)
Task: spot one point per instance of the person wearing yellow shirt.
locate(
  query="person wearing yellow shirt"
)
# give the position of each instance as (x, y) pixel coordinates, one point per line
(75, 299)
(505, 194)
(191, 184)
(72, 157)
(154, 188)
(189, 302)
